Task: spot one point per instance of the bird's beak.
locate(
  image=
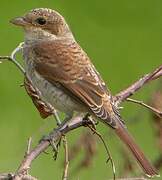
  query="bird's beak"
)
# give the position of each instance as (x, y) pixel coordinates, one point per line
(19, 21)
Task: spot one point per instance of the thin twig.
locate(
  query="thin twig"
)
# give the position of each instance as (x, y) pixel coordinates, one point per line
(107, 150)
(2, 58)
(124, 94)
(43, 145)
(9, 176)
(12, 59)
(16, 50)
(28, 146)
(66, 164)
(154, 110)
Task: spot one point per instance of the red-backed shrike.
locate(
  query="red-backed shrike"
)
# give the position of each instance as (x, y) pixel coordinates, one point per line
(66, 77)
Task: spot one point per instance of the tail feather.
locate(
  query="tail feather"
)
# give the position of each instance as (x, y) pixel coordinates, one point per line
(123, 134)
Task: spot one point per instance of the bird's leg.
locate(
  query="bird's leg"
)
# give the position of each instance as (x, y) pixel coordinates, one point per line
(52, 143)
(67, 118)
(88, 120)
(56, 117)
(49, 137)
(56, 146)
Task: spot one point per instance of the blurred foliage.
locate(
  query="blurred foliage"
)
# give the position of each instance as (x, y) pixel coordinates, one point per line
(123, 39)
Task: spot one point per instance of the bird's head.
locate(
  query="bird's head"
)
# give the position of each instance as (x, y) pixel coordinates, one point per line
(43, 23)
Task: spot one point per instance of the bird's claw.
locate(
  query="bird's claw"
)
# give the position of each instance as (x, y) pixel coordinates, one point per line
(52, 143)
(55, 147)
(87, 120)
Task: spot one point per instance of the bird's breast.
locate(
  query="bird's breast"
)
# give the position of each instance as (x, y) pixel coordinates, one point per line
(50, 93)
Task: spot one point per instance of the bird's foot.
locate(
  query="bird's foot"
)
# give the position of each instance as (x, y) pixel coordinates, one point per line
(65, 121)
(55, 146)
(89, 121)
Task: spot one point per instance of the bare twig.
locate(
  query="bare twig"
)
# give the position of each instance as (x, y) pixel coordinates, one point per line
(9, 176)
(12, 59)
(43, 145)
(154, 110)
(107, 151)
(123, 95)
(28, 146)
(66, 163)
(6, 176)
(2, 58)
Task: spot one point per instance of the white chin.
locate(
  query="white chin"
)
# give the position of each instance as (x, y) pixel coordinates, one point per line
(34, 34)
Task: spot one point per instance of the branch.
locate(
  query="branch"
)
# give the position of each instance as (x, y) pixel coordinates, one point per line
(43, 145)
(124, 94)
(154, 110)
(66, 164)
(107, 151)
(12, 59)
(28, 146)
(9, 176)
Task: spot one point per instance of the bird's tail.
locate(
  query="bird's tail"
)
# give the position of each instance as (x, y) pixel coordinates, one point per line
(123, 134)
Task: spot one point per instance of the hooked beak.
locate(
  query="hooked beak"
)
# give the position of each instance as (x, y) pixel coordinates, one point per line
(19, 21)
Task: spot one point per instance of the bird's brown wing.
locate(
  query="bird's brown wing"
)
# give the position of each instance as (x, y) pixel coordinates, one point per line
(69, 65)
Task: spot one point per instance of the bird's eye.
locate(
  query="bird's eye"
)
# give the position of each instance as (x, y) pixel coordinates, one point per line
(41, 21)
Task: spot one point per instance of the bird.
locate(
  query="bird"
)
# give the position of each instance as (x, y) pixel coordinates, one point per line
(66, 77)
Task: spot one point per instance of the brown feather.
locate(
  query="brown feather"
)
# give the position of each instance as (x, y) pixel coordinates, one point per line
(78, 76)
(123, 134)
(82, 80)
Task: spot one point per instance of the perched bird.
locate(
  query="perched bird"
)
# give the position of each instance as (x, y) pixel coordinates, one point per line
(65, 76)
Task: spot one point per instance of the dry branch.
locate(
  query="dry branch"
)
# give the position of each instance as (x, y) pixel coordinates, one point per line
(124, 94)
(43, 145)
(154, 110)
(66, 163)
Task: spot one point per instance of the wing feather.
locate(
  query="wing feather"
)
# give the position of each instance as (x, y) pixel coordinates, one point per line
(77, 74)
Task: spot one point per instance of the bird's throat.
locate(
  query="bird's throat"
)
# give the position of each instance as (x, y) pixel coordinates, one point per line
(36, 34)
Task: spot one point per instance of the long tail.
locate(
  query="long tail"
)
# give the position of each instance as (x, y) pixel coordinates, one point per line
(123, 134)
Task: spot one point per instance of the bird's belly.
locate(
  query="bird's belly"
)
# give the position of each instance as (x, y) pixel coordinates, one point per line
(53, 94)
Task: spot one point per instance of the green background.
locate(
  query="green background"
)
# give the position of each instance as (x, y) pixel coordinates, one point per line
(124, 41)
